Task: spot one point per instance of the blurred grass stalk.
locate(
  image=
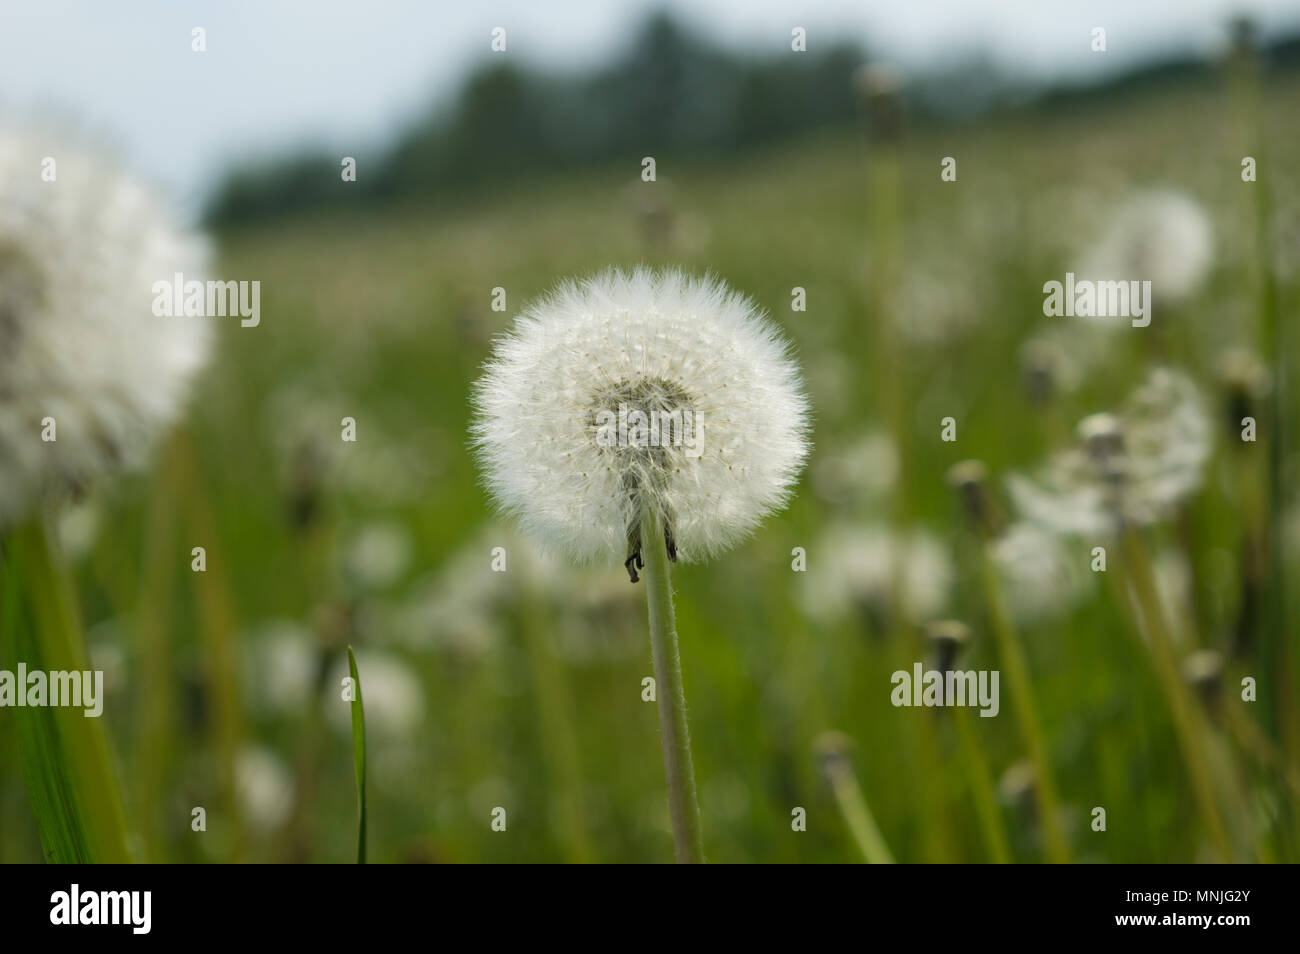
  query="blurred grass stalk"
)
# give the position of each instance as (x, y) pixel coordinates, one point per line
(559, 738)
(1277, 677)
(674, 733)
(359, 754)
(1189, 725)
(216, 628)
(982, 790)
(156, 698)
(884, 221)
(66, 763)
(1012, 658)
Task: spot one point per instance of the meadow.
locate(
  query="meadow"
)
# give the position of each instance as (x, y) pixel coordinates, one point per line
(523, 689)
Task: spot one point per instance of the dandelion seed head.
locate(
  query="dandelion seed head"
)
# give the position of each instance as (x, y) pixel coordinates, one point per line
(1159, 236)
(1041, 576)
(1128, 467)
(78, 338)
(863, 567)
(657, 343)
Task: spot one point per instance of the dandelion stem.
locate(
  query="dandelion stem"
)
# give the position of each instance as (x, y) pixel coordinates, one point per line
(1022, 698)
(673, 731)
(848, 793)
(986, 803)
(1188, 724)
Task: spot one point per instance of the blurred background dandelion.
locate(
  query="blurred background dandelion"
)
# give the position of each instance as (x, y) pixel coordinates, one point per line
(775, 169)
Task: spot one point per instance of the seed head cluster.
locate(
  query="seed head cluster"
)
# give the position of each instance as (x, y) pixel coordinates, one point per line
(646, 346)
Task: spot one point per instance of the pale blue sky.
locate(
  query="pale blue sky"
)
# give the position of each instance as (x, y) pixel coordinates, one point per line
(346, 75)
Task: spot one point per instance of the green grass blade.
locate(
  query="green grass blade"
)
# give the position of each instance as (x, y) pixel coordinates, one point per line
(66, 764)
(359, 755)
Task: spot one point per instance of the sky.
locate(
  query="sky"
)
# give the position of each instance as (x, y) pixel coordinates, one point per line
(278, 75)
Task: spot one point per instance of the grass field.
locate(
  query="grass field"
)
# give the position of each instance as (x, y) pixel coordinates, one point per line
(523, 690)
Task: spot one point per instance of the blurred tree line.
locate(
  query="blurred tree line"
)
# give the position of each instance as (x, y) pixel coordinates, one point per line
(671, 93)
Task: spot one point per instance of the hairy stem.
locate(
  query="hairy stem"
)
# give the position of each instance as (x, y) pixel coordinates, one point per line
(673, 731)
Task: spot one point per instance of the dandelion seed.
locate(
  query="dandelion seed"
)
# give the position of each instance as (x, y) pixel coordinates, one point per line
(78, 339)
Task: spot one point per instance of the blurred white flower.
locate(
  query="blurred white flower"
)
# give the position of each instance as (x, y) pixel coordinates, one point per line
(301, 423)
(853, 568)
(1159, 236)
(264, 786)
(283, 656)
(78, 528)
(651, 343)
(937, 304)
(601, 618)
(1127, 468)
(79, 342)
(1041, 576)
(858, 473)
(378, 555)
(459, 607)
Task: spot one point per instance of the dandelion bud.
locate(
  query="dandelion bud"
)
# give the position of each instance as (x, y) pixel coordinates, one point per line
(948, 637)
(1243, 33)
(1203, 670)
(1245, 382)
(969, 478)
(1102, 436)
(1040, 368)
(878, 86)
(1018, 788)
(833, 750)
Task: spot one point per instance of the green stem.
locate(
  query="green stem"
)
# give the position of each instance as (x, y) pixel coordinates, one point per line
(673, 731)
(1022, 698)
(862, 824)
(559, 738)
(1188, 724)
(65, 755)
(986, 802)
